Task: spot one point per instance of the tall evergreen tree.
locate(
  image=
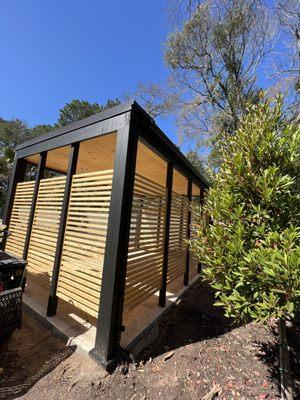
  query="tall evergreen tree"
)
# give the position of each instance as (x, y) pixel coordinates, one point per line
(79, 109)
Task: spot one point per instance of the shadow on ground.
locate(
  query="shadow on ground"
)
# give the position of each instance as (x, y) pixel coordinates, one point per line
(198, 350)
(269, 354)
(28, 355)
(192, 320)
(196, 319)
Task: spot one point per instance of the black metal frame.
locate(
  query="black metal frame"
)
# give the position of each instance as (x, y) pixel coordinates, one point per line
(109, 323)
(169, 185)
(52, 301)
(17, 175)
(131, 123)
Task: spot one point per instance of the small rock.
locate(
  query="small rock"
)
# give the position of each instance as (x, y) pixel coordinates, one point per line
(168, 355)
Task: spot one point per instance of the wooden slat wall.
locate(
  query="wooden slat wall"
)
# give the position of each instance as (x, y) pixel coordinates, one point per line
(84, 242)
(178, 235)
(44, 232)
(145, 253)
(19, 218)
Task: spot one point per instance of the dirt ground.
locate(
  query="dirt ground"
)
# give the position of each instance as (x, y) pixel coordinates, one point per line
(199, 354)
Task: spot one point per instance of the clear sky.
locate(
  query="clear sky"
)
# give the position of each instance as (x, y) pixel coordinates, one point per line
(55, 50)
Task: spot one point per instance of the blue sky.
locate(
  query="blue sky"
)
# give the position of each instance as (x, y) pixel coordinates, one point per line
(55, 50)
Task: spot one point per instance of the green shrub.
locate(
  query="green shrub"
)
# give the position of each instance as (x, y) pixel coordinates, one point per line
(251, 248)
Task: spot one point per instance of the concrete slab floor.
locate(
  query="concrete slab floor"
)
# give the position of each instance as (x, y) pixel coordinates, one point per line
(79, 328)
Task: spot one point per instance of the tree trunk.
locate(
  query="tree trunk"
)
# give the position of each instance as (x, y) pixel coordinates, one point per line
(284, 362)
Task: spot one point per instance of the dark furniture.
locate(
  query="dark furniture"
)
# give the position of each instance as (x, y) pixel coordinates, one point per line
(12, 271)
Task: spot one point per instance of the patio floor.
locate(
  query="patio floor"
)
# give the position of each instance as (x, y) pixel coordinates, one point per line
(80, 328)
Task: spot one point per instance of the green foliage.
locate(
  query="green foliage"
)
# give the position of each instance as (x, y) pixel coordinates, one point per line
(41, 129)
(252, 246)
(12, 133)
(79, 109)
(195, 160)
(199, 164)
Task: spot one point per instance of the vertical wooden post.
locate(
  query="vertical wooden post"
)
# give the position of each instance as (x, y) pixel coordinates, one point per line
(39, 176)
(201, 201)
(169, 184)
(17, 175)
(109, 323)
(52, 301)
(187, 261)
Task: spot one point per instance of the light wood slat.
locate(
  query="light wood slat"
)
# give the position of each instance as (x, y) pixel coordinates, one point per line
(44, 232)
(88, 175)
(83, 220)
(80, 280)
(85, 213)
(84, 242)
(19, 218)
(89, 298)
(177, 236)
(92, 230)
(92, 186)
(147, 269)
(91, 200)
(92, 195)
(88, 310)
(146, 241)
(88, 239)
(80, 267)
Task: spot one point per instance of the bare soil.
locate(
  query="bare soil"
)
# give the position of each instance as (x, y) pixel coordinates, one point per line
(199, 354)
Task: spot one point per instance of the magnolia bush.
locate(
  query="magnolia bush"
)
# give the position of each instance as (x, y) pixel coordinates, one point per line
(251, 247)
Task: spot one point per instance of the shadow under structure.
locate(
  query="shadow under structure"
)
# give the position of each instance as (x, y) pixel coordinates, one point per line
(100, 210)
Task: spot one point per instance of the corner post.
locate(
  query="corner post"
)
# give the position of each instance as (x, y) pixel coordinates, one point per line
(52, 301)
(169, 183)
(109, 323)
(187, 261)
(17, 175)
(201, 201)
(39, 176)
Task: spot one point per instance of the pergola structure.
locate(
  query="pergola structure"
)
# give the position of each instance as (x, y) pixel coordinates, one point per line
(103, 220)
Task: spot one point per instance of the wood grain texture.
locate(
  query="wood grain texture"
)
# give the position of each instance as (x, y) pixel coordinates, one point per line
(19, 218)
(94, 155)
(145, 253)
(178, 235)
(80, 276)
(44, 232)
(146, 243)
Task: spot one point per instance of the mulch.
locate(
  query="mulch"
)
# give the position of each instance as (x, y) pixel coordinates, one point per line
(199, 354)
